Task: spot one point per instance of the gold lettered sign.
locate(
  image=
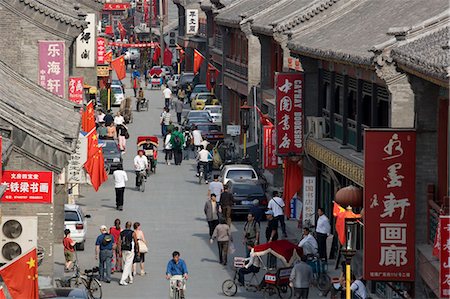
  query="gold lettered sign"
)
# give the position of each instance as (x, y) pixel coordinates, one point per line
(103, 71)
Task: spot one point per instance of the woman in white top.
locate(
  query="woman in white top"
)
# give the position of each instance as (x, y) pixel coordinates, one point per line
(168, 147)
(118, 119)
(142, 248)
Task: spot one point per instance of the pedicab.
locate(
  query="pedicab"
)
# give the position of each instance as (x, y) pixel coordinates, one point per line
(275, 281)
(149, 144)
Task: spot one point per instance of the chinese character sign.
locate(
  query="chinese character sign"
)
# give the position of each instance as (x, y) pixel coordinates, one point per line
(51, 66)
(85, 45)
(76, 89)
(444, 271)
(101, 50)
(389, 204)
(191, 21)
(309, 199)
(289, 114)
(28, 186)
(270, 159)
(75, 167)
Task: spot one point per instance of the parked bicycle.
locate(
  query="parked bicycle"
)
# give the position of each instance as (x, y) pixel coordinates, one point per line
(86, 280)
(320, 277)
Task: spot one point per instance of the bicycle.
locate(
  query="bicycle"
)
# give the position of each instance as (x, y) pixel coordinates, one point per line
(177, 283)
(320, 277)
(142, 178)
(201, 172)
(86, 280)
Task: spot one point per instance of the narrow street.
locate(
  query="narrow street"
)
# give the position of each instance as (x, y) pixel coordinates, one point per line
(171, 215)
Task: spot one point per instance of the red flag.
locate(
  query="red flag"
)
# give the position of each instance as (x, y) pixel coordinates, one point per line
(2, 293)
(21, 276)
(118, 65)
(293, 181)
(88, 118)
(168, 57)
(108, 56)
(92, 140)
(109, 30)
(340, 213)
(95, 164)
(211, 68)
(198, 60)
(181, 55)
(122, 30)
(156, 54)
(437, 241)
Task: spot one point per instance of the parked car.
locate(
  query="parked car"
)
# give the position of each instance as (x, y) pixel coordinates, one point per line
(75, 221)
(59, 293)
(118, 94)
(111, 153)
(238, 172)
(185, 78)
(216, 113)
(245, 191)
(200, 100)
(199, 114)
(199, 88)
(210, 132)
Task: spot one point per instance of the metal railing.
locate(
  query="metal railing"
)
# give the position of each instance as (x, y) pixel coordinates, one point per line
(236, 68)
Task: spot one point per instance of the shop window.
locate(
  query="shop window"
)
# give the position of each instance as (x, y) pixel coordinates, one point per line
(351, 105)
(366, 109)
(338, 95)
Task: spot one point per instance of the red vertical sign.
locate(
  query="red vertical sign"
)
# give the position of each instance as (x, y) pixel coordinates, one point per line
(289, 115)
(444, 271)
(76, 90)
(270, 159)
(101, 50)
(389, 204)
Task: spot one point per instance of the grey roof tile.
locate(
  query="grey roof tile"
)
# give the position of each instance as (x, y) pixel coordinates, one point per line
(350, 35)
(233, 14)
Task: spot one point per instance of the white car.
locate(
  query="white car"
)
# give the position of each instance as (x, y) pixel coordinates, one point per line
(216, 113)
(118, 95)
(238, 172)
(75, 221)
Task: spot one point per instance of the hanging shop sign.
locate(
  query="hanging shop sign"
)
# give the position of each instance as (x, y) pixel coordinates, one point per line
(76, 90)
(269, 145)
(23, 186)
(52, 66)
(85, 45)
(191, 21)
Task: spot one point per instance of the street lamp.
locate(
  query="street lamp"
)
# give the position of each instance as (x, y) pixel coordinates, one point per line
(245, 124)
(349, 250)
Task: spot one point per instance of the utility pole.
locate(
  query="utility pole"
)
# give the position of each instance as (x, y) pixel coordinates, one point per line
(161, 31)
(150, 19)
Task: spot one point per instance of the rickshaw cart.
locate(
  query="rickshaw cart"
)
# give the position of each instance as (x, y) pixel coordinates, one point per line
(152, 155)
(155, 82)
(125, 110)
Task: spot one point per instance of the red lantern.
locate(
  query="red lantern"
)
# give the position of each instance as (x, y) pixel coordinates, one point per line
(349, 196)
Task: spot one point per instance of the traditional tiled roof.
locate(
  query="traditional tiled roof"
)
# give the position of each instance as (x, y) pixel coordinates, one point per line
(349, 35)
(429, 54)
(238, 10)
(96, 5)
(37, 112)
(56, 9)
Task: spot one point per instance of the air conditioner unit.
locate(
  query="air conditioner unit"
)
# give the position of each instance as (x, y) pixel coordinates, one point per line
(143, 26)
(316, 126)
(18, 234)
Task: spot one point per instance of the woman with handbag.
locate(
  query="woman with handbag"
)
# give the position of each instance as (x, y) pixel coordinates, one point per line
(139, 257)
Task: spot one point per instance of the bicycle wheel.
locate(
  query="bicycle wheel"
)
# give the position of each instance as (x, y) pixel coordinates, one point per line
(229, 288)
(323, 282)
(284, 291)
(142, 186)
(95, 289)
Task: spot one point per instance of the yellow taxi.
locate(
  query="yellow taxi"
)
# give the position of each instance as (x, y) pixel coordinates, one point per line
(202, 99)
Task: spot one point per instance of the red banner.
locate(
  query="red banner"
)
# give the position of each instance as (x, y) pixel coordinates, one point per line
(289, 115)
(101, 50)
(28, 186)
(389, 204)
(270, 159)
(444, 271)
(76, 90)
(139, 45)
(116, 6)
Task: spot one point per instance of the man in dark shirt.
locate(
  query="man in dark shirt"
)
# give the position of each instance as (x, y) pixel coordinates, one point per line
(271, 235)
(226, 202)
(103, 249)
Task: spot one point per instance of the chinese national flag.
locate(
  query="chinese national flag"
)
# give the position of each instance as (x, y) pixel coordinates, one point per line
(122, 30)
(210, 79)
(198, 60)
(168, 57)
(156, 54)
(118, 65)
(95, 166)
(21, 276)
(92, 139)
(340, 213)
(2, 293)
(88, 118)
(108, 56)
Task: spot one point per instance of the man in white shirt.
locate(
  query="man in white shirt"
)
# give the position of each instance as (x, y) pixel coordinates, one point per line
(167, 96)
(308, 243)
(120, 177)
(323, 229)
(168, 147)
(197, 136)
(140, 164)
(203, 158)
(216, 188)
(276, 204)
(165, 121)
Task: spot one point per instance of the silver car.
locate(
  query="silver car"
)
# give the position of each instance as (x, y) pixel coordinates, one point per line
(75, 221)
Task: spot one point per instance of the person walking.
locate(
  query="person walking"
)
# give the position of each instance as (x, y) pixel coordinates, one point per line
(122, 135)
(69, 249)
(168, 147)
(187, 146)
(108, 118)
(111, 132)
(177, 141)
(226, 202)
(223, 234)
(276, 204)
(215, 187)
(181, 94)
(117, 254)
(271, 235)
(165, 121)
(301, 278)
(118, 119)
(103, 253)
(251, 233)
(323, 230)
(178, 105)
(120, 178)
(128, 243)
(136, 85)
(142, 249)
(167, 96)
(197, 137)
(211, 210)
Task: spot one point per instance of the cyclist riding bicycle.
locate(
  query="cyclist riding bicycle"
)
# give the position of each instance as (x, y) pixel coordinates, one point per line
(176, 271)
(203, 157)
(149, 149)
(140, 164)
